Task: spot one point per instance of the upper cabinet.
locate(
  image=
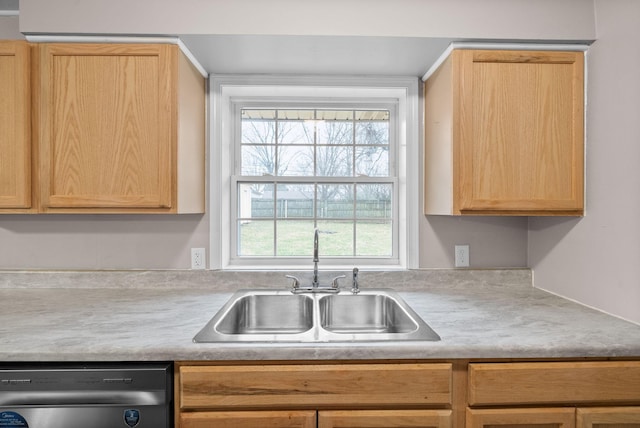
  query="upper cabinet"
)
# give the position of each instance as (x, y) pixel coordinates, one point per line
(504, 133)
(120, 128)
(15, 127)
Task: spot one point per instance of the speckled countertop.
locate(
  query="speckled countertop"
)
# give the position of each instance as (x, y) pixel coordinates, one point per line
(153, 316)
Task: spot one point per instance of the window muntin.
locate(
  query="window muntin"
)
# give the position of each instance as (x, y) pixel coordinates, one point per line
(329, 168)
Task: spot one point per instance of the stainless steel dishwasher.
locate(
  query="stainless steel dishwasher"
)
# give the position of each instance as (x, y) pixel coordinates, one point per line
(86, 395)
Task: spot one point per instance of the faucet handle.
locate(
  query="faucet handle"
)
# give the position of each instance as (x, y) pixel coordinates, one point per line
(295, 283)
(334, 281)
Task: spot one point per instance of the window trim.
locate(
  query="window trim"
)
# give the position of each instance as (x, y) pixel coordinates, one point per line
(226, 89)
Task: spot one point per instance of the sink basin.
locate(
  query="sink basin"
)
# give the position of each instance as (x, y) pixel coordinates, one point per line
(368, 313)
(268, 314)
(279, 316)
(260, 315)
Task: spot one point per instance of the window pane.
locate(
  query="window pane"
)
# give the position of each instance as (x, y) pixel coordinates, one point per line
(323, 147)
(295, 132)
(257, 202)
(255, 238)
(374, 238)
(295, 200)
(258, 131)
(334, 115)
(334, 161)
(296, 114)
(258, 160)
(335, 201)
(372, 161)
(372, 133)
(295, 238)
(295, 161)
(244, 201)
(258, 114)
(374, 201)
(377, 115)
(336, 238)
(334, 132)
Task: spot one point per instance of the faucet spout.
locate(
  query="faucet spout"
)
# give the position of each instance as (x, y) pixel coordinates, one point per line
(315, 283)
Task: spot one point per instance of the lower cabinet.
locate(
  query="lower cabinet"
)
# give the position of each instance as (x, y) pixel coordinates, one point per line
(321, 419)
(385, 419)
(574, 394)
(263, 419)
(588, 417)
(608, 417)
(405, 395)
(455, 394)
(521, 418)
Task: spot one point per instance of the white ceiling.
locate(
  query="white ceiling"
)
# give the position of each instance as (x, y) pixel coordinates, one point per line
(336, 55)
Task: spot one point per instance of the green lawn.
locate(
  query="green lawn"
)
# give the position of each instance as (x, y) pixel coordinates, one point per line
(295, 238)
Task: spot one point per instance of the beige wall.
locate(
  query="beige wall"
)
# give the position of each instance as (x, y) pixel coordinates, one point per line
(100, 241)
(9, 28)
(493, 241)
(526, 19)
(142, 242)
(596, 260)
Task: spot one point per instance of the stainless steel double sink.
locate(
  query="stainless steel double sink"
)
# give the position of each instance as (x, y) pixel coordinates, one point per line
(280, 316)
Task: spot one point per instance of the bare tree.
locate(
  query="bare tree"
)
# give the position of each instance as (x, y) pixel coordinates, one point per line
(328, 148)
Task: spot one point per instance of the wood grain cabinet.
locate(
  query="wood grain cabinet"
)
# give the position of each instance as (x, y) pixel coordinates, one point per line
(608, 417)
(598, 417)
(15, 127)
(120, 128)
(456, 394)
(521, 418)
(384, 419)
(250, 419)
(601, 394)
(504, 134)
(300, 395)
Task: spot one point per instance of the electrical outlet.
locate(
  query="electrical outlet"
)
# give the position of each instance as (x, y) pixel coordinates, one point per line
(462, 256)
(197, 258)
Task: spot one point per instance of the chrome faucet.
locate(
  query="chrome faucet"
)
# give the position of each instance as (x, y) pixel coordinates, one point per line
(355, 287)
(315, 282)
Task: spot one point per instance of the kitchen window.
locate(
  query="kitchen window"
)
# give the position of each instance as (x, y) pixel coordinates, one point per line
(289, 158)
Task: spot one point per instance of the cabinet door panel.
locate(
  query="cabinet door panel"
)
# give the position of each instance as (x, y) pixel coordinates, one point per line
(608, 417)
(316, 386)
(15, 125)
(521, 137)
(521, 418)
(106, 125)
(549, 383)
(283, 419)
(385, 419)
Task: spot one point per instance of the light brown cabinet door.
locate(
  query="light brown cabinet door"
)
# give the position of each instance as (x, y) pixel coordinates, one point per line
(521, 418)
(385, 419)
(273, 419)
(551, 383)
(608, 417)
(15, 126)
(317, 386)
(107, 125)
(519, 131)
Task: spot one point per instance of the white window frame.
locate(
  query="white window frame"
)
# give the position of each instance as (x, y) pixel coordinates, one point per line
(226, 91)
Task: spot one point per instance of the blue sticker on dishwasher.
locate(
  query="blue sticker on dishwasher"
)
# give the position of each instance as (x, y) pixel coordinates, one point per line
(12, 419)
(131, 417)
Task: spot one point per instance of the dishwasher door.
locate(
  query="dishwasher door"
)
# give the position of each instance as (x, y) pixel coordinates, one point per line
(88, 396)
(83, 417)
